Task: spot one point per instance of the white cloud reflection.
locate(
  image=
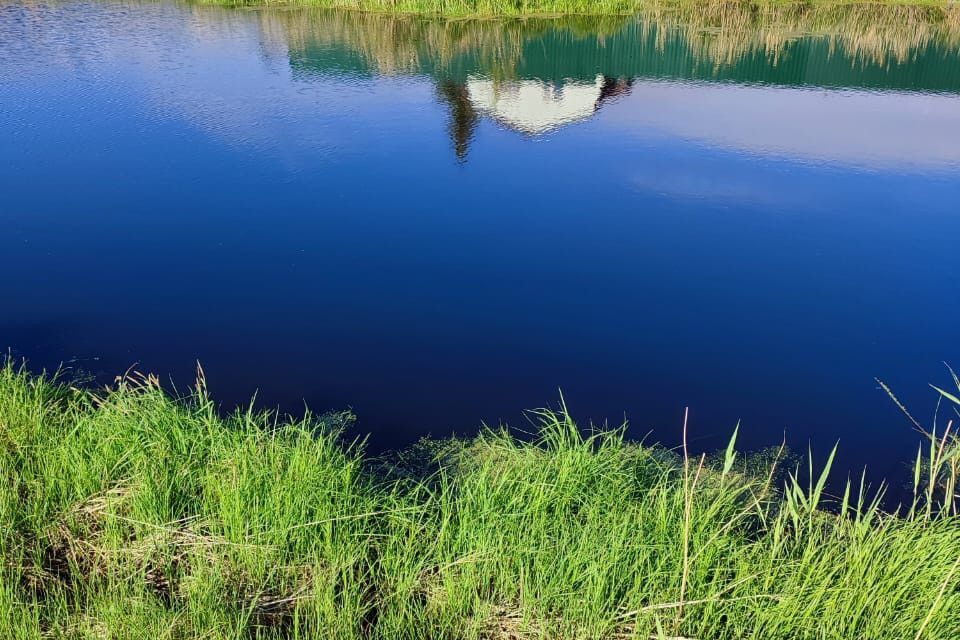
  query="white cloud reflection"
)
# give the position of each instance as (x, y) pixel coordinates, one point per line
(870, 130)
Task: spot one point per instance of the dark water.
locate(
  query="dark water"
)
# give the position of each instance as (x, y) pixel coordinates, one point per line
(438, 224)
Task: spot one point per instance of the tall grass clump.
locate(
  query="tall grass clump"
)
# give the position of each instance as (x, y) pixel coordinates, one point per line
(128, 513)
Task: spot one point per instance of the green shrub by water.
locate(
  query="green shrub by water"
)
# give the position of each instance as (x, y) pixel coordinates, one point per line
(128, 514)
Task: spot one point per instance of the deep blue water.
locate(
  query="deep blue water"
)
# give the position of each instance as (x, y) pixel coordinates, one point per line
(643, 226)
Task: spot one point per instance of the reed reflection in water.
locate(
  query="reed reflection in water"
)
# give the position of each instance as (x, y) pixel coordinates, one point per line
(537, 75)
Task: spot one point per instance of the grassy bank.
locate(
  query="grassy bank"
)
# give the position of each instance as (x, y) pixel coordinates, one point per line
(489, 8)
(127, 514)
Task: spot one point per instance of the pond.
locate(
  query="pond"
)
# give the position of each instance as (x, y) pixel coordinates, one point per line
(443, 223)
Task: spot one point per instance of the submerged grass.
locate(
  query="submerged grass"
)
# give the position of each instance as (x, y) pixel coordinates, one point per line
(130, 514)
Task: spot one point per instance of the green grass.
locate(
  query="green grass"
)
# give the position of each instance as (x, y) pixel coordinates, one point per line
(489, 8)
(130, 514)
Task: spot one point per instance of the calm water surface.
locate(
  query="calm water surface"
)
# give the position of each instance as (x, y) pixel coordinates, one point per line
(439, 224)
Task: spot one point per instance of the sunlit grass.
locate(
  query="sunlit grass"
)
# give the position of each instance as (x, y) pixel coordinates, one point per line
(130, 514)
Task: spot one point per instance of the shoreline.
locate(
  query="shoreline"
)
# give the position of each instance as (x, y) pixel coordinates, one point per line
(129, 513)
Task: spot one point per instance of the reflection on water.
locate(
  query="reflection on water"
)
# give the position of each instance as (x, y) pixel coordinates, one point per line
(532, 107)
(750, 212)
(844, 45)
(537, 75)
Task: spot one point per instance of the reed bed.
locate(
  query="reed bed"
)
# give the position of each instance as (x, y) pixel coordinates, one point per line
(128, 513)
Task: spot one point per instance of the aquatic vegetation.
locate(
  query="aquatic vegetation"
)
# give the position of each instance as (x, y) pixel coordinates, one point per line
(128, 513)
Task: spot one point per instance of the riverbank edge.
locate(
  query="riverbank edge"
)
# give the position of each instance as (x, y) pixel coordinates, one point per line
(129, 513)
